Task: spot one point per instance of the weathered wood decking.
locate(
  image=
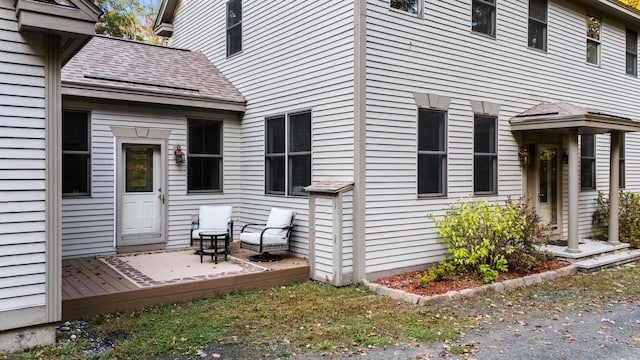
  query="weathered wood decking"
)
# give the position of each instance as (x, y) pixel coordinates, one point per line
(90, 287)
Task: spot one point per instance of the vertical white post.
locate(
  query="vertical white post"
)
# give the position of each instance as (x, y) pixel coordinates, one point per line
(614, 185)
(574, 179)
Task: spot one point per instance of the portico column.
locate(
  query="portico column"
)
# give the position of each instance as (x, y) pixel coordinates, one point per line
(573, 192)
(614, 185)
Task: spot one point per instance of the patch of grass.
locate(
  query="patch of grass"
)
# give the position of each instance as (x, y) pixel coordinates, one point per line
(321, 318)
(458, 350)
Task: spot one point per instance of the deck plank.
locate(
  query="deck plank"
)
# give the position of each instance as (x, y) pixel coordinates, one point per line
(84, 297)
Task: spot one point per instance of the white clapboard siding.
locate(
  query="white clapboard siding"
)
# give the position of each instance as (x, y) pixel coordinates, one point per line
(296, 56)
(440, 55)
(88, 224)
(22, 158)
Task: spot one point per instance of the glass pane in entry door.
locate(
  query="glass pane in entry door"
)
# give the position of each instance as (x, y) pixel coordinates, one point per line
(139, 169)
(548, 191)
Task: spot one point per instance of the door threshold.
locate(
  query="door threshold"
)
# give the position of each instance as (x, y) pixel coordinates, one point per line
(140, 248)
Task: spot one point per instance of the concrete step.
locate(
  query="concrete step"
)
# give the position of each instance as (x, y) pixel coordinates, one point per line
(608, 260)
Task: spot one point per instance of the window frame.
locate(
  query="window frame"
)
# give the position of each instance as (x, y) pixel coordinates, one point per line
(492, 155)
(544, 24)
(592, 161)
(491, 4)
(419, 13)
(288, 155)
(443, 154)
(633, 54)
(219, 157)
(86, 153)
(232, 28)
(597, 42)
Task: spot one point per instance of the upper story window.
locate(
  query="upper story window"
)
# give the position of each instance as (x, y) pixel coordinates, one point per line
(594, 27)
(234, 27)
(485, 155)
(483, 17)
(632, 53)
(288, 154)
(622, 180)
(413, 7)
(432, 152)
(538, 24)
(76, 155)
(587, 161)
(204, 158)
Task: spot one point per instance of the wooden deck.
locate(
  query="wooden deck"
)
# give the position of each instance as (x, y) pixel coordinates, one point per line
(91, 287)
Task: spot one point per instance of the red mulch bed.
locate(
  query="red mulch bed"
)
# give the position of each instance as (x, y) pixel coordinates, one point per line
(409, 281)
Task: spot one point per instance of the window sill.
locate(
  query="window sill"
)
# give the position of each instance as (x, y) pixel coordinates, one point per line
(431, 196)
(200, 192)
(541, 51)
(488, 36)
(485, 194)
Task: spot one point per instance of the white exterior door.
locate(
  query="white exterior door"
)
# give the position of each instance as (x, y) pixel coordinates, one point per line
(142, 195)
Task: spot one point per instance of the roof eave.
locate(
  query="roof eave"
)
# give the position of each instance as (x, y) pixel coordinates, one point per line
(616, 9)
(163, 25)
(149, 97)
(595, 123)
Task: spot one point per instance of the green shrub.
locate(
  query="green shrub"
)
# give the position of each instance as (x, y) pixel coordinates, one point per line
(484, 240)
(628, 218)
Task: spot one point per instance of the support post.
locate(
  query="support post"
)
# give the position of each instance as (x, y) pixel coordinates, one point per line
(614, 186)
(573, 192)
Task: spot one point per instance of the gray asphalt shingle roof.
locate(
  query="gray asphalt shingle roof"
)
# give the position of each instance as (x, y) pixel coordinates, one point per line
(131, 65)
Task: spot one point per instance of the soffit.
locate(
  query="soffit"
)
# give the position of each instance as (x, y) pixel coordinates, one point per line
(163, 25)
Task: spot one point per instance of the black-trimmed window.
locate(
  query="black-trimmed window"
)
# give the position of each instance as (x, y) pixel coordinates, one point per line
(76, 153)
(594, 28)
(288, 154)
(632, 53)
(234, 26)
(432, 152)
(485, 155)
(587, 161)
(204, 157)
(483, 17)
(538, 24)
(622, 183)
(413, 7)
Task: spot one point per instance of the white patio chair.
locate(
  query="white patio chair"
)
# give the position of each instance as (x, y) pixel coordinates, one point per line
(212, 219)
(272, 236)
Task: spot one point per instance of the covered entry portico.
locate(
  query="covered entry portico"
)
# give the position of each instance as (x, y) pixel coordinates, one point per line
(561, 123)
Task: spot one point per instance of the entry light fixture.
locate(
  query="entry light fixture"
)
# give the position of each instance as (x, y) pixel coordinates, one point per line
(523, 154)
(178, 154)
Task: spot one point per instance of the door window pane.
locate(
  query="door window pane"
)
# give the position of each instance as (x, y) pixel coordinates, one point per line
(139, 169)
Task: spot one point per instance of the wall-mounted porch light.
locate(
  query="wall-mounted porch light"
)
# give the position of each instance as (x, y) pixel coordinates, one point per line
(178, 154)
(523, 154)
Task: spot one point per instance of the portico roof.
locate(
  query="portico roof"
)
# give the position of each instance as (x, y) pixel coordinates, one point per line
(560, 117)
